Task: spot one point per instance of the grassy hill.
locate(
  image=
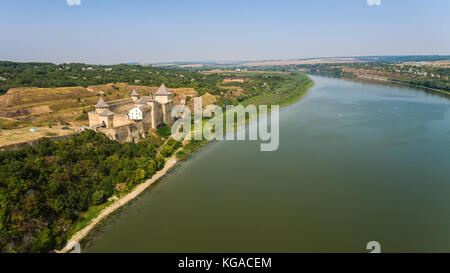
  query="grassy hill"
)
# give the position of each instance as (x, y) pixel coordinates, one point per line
(64, 105)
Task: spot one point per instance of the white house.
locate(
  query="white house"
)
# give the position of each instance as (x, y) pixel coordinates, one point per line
(135, 114)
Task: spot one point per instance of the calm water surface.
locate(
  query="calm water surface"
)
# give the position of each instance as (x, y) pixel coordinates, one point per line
(357, 162)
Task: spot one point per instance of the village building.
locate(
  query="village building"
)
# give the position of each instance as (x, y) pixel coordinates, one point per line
(129, 119)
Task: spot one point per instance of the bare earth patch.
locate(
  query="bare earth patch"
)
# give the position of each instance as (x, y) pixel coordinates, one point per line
(15, 136)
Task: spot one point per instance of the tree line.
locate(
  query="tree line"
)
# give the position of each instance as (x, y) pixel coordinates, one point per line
(45, 75)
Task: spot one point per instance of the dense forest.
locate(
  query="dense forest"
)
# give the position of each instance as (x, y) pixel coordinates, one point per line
(13, 74)
(45, 75)
(46, 188)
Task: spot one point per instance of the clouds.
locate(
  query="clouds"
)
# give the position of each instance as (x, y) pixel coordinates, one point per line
(78, 2)
(374, 2)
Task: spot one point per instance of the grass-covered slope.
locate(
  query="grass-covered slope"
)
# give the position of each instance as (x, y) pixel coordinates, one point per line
(289, 91)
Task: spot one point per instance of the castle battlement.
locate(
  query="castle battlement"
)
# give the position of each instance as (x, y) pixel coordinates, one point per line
(121, 115)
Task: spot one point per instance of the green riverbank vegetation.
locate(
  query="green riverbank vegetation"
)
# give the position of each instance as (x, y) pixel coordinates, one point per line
(50, 190)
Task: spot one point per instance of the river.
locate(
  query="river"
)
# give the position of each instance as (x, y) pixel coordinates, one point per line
(357, 162)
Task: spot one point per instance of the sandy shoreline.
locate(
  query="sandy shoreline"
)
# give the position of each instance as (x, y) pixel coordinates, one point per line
(77, 237)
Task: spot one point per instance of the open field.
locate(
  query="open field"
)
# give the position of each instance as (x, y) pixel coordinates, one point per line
(297, 62)
(20, 135)
(444, 63)
(242, 72)
(335, 60)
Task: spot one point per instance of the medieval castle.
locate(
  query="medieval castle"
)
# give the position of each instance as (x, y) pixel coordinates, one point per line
(128, 120)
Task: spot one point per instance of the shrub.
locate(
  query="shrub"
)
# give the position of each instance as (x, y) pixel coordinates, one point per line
(98, 197)
(164, 131)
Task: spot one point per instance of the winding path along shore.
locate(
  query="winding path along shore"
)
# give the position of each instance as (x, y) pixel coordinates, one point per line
(77, 237)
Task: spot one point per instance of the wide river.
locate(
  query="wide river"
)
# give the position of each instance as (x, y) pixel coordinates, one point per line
(356, 163)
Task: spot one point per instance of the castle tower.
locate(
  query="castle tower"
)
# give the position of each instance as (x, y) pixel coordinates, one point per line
(147, 117)
(143, 101)
(155, 114)
(101, 106)
(164, 97)
(134, 96)
(106, 117)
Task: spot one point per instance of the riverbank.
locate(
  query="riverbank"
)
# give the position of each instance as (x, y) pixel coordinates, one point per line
(380, 80)
(387, 81)
(419, 86)
(80, 235)
(290, 92)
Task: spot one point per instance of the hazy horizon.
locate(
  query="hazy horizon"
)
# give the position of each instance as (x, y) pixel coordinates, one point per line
(111, 32)
(224, 62)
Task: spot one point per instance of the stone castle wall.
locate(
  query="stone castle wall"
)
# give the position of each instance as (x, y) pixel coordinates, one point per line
(93, 118)
(121, 106)
(147, 119)
(121, 119)
(157, 115)
(127, 133)
(166, 113)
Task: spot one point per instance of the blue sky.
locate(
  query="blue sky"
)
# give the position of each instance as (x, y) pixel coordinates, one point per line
(114, 31)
